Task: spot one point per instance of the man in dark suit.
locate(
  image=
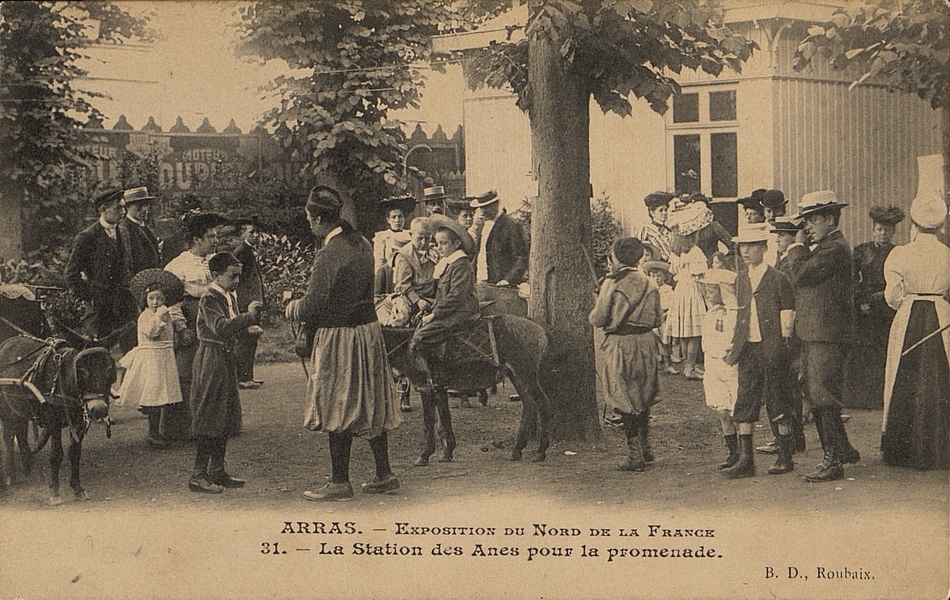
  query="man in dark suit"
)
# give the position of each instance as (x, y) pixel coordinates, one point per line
(251, 289)
(824, 300)
(502, 257)
(97, 270)
(761, 350)
(139, 243)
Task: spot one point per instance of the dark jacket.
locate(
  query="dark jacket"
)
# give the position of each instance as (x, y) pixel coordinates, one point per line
(140, 246)
(773, 295)
(824, 292)
(340, 293)
(506, 251)
(97, 272)
(252, 282)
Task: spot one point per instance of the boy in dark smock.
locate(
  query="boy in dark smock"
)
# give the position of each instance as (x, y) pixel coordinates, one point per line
(628, 309)
(214, 388)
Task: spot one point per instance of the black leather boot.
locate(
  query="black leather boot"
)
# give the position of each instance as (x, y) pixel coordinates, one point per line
(732, 443)
(745, 466)
(783, 463)
(644, 433)
(634, 462)
(847, 454)
(830, 468)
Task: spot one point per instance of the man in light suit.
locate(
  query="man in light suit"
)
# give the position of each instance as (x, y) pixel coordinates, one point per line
(97, 270)
(824, 300)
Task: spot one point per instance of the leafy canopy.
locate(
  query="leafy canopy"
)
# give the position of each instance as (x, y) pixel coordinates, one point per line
(358, 60)
(40, 43)
(621, 47)
(904, 44)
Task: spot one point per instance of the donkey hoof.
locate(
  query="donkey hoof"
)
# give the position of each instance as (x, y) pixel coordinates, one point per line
(539, 458)
(447, 457)
(515, 455)
(55, 500)
(81, 495)
(422, 461)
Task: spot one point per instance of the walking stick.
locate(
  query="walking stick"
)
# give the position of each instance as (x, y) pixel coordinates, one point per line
(925, 338)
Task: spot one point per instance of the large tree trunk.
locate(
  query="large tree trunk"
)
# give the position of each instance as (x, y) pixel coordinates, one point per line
(561, 277)
(11, 235)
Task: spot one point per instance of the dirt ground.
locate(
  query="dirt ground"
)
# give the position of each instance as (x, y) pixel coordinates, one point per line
(143, 534)
(280, 459)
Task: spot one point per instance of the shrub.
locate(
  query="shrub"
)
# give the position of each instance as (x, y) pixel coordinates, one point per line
(45, 270)
(285, 266)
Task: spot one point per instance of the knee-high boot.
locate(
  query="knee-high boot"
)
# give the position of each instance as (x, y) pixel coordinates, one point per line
(783, 464)
(631, 428)
(830, 468)
(644, 432)
(745, 466)
(732, 443)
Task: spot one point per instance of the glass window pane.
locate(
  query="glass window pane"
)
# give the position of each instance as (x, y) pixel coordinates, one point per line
(722, 106)
(686, 108)
(686, 163)
(724, 165)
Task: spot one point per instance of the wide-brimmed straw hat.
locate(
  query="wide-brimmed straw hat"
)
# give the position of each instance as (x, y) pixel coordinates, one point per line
(433, 194)
(751, 233)
(137, 194)
(172, 287)
(468, 244)
(818, 201)
(691, 218)
(654, 265)
(404, 203)
(485, 199)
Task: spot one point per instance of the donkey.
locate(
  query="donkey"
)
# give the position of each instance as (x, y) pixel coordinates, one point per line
(59, 387)
(518, 344)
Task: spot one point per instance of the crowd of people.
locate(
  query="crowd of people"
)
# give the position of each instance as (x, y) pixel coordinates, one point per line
(784, 315)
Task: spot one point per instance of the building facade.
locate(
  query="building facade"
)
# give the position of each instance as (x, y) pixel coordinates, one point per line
(766, 127)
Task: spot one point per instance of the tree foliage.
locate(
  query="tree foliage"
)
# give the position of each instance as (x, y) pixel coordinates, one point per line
(621, 48)
(359, 60)
(904, 44)
(40, 44)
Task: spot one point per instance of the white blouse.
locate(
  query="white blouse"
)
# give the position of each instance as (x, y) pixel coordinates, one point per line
(193, 271)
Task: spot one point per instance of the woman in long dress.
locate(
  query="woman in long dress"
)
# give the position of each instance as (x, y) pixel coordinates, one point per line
(865, 374)
(191, 267)
(917, 384)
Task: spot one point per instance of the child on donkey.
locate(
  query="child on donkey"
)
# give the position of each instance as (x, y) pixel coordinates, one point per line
(151, 379)
(628, 309)
(455, 308)
(721, 381)
(214, 389)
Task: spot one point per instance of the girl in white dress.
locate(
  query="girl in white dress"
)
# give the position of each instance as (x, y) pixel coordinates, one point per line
(684, 321)
(151, 381)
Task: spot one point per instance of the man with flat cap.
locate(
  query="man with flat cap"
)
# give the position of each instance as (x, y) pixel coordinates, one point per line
(97, 270)
(502, 256)
(140, 244)
(824, 302)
